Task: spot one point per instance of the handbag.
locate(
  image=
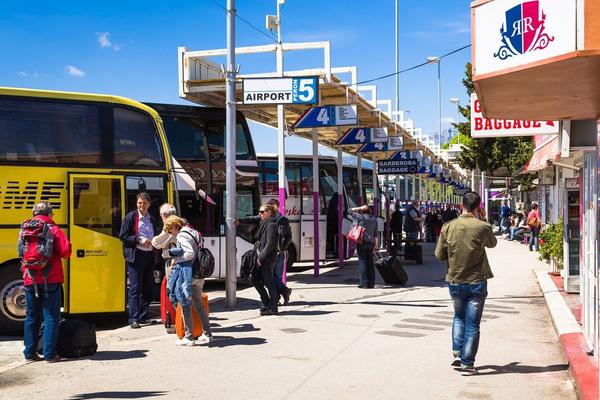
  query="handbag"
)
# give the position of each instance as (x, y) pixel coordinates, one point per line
(356, 234)
(346, 226)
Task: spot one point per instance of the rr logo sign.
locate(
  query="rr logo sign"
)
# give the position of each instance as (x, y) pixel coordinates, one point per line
(523, 30)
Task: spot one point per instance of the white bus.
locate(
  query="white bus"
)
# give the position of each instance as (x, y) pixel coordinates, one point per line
(299, 203)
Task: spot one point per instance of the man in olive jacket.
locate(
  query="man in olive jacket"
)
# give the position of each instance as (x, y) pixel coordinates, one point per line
(462, 244)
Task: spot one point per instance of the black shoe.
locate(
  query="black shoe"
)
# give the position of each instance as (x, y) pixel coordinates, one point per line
(263, 310)
(145, 322)
(54, 359)
(135, 325)
(269, 312)
(362, 286)
(34, 357)
(286, 296)
(171, 330)
(370, 286)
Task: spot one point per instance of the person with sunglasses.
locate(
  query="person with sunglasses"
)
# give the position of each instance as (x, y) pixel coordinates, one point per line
(266, 251)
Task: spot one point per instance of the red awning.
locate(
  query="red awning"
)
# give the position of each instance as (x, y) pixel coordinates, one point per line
(549, 151)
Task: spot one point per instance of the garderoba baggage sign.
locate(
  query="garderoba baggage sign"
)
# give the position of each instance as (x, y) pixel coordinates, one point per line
(483, 127)
(395, 167)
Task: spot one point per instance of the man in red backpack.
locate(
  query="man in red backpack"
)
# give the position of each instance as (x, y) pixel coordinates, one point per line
(42, 286)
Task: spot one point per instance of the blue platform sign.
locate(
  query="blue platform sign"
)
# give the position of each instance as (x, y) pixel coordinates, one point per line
(373, 147)
(401, 155)
(319, 117)
(354, 136)
(425, 169)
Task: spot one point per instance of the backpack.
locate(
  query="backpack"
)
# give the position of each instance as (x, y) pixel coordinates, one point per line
(533, 222)
(284, 234)
(248, 264)
(35, 247)
(204, 262)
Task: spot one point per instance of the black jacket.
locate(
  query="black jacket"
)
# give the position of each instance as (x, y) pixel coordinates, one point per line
(128, 234)
(266, 244)
(396, 222)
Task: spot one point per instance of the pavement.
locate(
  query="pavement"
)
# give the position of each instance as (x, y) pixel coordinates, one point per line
(334, 340)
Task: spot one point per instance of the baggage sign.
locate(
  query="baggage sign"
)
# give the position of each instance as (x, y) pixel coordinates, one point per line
(396, 167)
(319, 117)
(297, 90)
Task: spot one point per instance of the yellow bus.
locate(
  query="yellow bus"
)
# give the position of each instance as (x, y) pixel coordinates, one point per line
(88, 155)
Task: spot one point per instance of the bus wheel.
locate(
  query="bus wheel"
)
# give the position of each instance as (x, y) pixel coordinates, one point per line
(12, 300)
(291, 258)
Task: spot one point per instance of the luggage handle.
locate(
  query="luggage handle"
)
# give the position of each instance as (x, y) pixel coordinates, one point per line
(378, 254)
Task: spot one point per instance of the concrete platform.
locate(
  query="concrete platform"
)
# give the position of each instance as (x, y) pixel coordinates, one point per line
(333, 341)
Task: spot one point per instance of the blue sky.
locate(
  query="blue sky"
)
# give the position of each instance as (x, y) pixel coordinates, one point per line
(129, 47)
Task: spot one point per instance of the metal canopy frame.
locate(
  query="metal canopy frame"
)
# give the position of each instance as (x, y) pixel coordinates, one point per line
(203, 82)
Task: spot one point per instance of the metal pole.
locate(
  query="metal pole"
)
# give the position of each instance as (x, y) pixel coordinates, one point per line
(397, 192)
(340, 181)
(397, 64)
(230, 160)
(316, 208)
(280, 122)
(388, 198)
(360, 179)
(439, 61)
(376, 195)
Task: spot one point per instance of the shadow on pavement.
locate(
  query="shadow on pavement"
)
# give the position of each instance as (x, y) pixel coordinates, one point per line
(236, 328)
(400, 303)
(228, 341)
(117, 355)
(117, 395)
(515, 368)
(306, 312)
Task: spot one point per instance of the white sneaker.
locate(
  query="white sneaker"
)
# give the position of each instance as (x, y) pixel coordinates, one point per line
(203, 339)
(184, 342)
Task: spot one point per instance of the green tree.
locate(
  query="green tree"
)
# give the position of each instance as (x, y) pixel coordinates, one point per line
(489, 154)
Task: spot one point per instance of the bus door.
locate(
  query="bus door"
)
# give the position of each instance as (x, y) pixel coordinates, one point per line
(96, 274)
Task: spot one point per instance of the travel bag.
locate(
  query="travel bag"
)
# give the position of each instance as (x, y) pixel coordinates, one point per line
(180, 326)
(391, 270)
(167, 311)
(75, 339)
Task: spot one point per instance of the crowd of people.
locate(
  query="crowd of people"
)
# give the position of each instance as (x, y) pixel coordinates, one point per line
(521, 226)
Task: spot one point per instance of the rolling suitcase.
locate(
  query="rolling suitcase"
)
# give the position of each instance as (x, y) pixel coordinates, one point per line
(179, 325)
(167, 311)
(391, 270)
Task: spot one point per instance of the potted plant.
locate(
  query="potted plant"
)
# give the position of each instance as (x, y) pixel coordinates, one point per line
(551, 246)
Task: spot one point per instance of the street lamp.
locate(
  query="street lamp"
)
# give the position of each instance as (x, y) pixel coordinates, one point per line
(456, 100)
(437, 60)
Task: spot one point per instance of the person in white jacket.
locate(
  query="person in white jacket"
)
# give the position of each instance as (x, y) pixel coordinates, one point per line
(180, 281)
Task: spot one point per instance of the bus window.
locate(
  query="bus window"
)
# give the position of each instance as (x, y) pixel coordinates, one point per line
(153, 185)
(186, 138)
(327, 184)
(132, 145)
(307, 189)
(215, 136)
(270, 178)
(49, 132)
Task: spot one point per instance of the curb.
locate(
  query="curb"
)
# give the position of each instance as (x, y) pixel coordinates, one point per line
(583, 367)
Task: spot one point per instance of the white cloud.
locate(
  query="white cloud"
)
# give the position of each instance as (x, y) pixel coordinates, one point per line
(72, 70)
(22, 73)
(104, 41)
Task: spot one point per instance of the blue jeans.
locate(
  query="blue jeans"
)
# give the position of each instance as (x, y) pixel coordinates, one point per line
(180, 292)
(535, 236)
(412, 235)
(504, 224)
(366, 265)
(278, 274)
(468, 300)
(49, 302)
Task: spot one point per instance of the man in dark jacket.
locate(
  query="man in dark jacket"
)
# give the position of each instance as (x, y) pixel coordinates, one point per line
(137, 230)
(48, 298)
(396, 224)
(266, 249)
(283, 243)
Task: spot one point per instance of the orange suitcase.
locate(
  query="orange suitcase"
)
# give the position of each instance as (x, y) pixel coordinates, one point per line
(179, 326)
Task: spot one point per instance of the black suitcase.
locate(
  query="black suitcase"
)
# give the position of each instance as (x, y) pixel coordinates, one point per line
(413, 252)
(75, 339)
(391, 270)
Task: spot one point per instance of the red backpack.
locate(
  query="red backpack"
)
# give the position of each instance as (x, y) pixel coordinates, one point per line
(35, 247)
